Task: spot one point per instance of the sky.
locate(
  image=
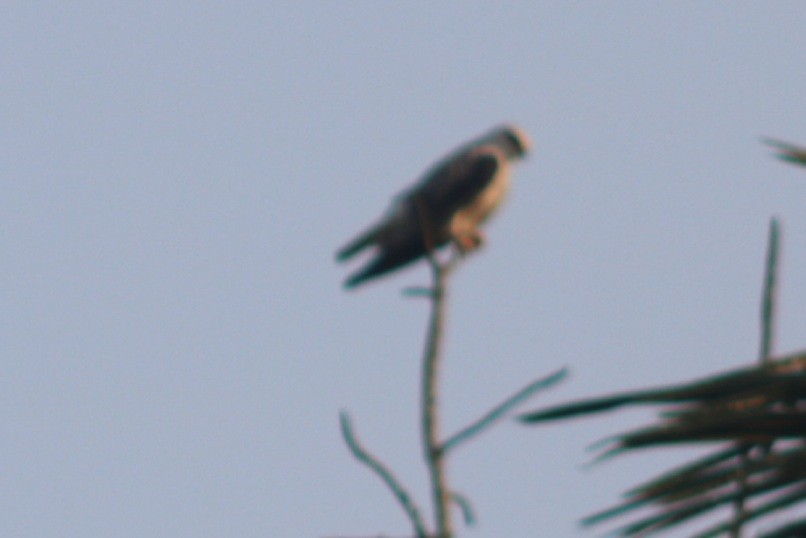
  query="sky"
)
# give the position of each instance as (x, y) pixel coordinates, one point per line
(176, 342)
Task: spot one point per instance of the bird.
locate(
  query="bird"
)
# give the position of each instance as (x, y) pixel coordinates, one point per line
(787, 152)
(447, 204)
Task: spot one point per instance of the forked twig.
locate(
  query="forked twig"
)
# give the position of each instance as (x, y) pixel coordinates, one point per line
(434, 449)
(388, 477)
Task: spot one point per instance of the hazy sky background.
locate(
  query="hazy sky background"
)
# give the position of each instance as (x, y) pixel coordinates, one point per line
(176, 178)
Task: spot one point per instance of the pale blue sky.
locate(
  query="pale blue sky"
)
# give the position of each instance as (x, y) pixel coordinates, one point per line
(176, 342)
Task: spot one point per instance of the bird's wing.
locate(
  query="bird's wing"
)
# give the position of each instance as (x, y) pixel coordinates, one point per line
(457, 182)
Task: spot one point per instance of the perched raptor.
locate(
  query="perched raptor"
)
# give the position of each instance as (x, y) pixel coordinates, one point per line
(448, 204)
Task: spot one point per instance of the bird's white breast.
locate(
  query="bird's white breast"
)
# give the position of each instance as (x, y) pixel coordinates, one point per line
(490, 198)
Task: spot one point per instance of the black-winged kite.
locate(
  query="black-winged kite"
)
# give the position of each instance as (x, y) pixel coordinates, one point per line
(450, 202)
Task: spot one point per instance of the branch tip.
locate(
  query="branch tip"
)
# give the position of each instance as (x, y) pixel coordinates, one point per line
(497, 413)
(385, 474)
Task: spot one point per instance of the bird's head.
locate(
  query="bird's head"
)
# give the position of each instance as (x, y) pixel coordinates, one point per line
(512, 140)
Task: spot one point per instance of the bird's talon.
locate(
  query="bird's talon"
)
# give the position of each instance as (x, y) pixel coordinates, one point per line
(468, 242)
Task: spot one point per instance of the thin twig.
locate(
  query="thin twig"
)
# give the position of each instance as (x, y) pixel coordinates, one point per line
(768, 311)
(418, 291)
(403, 497)
(468, 514)
(768, 302)
(501, 409)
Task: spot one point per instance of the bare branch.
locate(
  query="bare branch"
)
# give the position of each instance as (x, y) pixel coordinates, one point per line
(498, 412)
(432, 451)
(403, 497)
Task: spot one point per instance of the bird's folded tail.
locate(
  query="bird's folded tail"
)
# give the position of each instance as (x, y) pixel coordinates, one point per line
(387, 261)
(358, 244)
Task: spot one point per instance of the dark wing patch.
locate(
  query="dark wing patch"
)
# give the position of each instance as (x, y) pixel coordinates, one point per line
(459, 183)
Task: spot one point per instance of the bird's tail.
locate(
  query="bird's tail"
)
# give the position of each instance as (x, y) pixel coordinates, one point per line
(381, 265)
(387, 261)
(356, 245)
